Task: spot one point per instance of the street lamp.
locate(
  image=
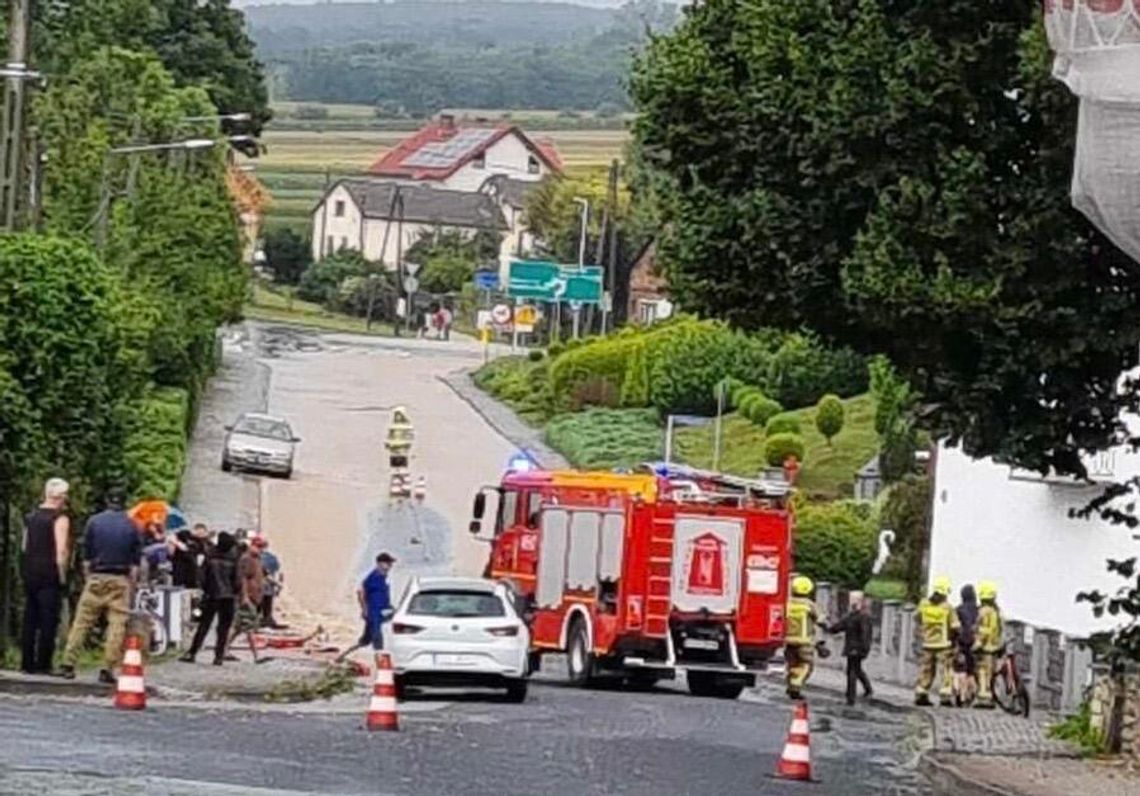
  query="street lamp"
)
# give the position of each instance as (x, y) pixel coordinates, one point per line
(221, 117)
(585, 204)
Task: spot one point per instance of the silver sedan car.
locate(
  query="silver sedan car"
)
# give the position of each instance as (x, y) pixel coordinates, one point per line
(260, 443)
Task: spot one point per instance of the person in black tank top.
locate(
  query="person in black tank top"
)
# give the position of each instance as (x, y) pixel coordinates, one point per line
(45, 553)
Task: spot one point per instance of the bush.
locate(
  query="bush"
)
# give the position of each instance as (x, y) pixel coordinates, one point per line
(906, 511)
(520, 383)
(778, 447)
(555, 349)
(605, 360)
(446, 272)
(801, 371)
(535, 355)
(785, 423)
(322, 280)
(154, 452)
(687, 362)
(759, 408)
(726, 387)
(833, 543)
(635, 385)
(740, 392)
(606, 438)
(829, 415)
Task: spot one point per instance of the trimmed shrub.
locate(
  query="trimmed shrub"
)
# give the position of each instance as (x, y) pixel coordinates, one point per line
(759, 408)
(729, 385)
(607, 438)
(785, 423)
(833, 543)
(778, 447)
(535, 356)
(740, 392)
(635, 385)
(801, 371)
(829, 415)
(555, 349)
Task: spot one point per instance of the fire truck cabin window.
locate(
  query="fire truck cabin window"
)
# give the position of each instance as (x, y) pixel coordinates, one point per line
(508, 510)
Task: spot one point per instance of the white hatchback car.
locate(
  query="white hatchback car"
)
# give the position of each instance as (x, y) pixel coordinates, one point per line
(459, 632)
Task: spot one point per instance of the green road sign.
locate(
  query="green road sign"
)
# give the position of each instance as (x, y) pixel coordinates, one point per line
(546, 281)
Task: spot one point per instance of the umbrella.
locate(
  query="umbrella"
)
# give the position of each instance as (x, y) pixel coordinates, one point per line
(159, 511)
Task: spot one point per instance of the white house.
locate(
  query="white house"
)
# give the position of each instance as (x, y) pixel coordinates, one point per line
(461, 158)
(511, 195)
(371, 216)
(993, 522)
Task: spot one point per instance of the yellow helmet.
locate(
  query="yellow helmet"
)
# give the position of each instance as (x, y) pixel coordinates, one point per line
(987, 590)
(802, 585)
(942, 585)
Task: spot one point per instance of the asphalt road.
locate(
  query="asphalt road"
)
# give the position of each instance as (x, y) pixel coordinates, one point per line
(561, 740)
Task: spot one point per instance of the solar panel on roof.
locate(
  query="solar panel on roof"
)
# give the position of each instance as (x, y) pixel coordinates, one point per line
(441, 154)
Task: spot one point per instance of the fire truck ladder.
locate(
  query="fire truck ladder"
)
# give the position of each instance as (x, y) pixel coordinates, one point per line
(659, 600)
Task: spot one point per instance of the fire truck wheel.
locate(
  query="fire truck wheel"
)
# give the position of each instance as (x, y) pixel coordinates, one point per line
(641, 681)
(707, 684)
(579, 659)
(516, 691)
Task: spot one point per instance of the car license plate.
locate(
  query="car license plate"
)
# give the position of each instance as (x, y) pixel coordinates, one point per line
(701, 644)
(445, 659)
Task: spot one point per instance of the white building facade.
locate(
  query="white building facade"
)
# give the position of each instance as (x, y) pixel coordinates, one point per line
(994, 522)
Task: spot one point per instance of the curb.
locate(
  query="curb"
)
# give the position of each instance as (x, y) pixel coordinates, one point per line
(947, 779)
(54, 686)
(460, 382)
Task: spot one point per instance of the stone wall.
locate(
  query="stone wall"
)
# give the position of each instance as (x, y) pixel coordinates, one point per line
(1114, 709)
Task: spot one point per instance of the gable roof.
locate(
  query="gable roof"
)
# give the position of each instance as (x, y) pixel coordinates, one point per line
(424, 204)
(509, 190)
(441, 148)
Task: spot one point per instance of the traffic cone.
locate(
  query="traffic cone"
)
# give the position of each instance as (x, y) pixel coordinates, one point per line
(420, 491)
(130, 691)
(382, 713)
(795, 762)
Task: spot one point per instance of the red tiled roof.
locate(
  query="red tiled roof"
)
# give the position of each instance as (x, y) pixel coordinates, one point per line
(440, 149)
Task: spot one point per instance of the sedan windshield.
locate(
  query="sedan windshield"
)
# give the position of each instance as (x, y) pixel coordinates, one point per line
(456, 604)
(264, 427)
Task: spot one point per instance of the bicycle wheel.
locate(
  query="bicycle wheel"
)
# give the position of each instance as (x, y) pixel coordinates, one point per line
(159, 641)
(1021, 701)
(1005, 692)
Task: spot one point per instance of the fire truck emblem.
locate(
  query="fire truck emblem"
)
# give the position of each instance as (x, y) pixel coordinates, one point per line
(706, 565)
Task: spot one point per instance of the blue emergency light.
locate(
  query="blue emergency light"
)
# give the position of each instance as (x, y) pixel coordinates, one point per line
(520, 463)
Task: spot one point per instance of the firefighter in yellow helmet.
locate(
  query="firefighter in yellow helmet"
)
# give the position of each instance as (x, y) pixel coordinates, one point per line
(799, 638)
(939, 623)
(987, 642)
(399, 439)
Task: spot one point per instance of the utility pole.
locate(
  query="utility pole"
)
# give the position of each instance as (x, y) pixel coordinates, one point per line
(12, 140)
(400, 264)
(609, 276)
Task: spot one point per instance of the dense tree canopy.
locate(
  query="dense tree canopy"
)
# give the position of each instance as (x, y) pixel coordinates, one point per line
(894, 175)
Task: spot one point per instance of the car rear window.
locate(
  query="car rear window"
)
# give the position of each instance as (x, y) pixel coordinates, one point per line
(455, 604)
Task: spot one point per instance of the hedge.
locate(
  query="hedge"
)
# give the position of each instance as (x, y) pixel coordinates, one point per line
(834, 542)
(154, 451)
(607, 438)
(785, 423)
(759, 408)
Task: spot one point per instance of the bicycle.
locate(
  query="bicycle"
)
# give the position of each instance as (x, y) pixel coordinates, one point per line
(1009, 691)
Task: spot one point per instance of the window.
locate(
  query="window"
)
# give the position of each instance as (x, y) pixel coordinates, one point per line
(508, 509)
(647, 311)
(344, 241)
(480, 160)
(263, 427)
(532, 165)
(338, 208)
(456, 604)
(330, 244)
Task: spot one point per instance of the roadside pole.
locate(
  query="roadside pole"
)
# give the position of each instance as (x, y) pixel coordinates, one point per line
(719, 417)
(669, 440)
(12, 145)
(610, 274)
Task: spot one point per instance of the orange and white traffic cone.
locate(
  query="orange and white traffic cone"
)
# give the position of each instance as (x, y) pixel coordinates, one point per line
(420, 491)
(795, 762)
(130, 691)
(382, 713)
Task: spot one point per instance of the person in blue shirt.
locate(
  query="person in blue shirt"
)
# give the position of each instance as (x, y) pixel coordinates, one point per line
(375, 601)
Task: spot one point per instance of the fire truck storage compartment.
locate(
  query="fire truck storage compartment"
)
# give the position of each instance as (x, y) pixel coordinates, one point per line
(580, 551)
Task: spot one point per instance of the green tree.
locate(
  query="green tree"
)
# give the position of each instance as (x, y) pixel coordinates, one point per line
(834, 542)
(829, 416)
(905, 166)
(287, 254)
(322, 281)
(446, 272)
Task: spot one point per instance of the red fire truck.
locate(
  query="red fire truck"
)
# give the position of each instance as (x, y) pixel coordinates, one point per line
(644, 574)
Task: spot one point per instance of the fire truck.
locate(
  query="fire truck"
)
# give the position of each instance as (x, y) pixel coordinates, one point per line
(640, 575)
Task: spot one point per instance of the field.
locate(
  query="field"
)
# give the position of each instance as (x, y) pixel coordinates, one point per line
(298, 163)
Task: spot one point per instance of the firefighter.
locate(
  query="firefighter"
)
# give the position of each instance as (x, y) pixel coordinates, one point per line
(939, 622)
(799, 640)
(987, 642)
(399, 440)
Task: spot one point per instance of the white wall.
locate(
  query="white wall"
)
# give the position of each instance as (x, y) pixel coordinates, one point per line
(344, 231)
(509, 156)
(412, 232)
(516, 239)
(1017, 532)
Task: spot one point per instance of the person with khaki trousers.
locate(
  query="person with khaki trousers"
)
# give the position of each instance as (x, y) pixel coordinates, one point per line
(112, 550)
(939, 623)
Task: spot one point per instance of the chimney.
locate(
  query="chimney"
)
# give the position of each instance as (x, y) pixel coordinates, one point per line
(447, 121)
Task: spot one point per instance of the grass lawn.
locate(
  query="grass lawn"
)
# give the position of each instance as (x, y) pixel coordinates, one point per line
(271, 305)
(828, 471)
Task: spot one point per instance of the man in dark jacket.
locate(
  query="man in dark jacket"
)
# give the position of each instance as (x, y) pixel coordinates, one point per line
(858, 635)
(220, 589)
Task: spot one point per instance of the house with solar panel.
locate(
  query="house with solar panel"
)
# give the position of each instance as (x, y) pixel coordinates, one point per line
(445, 176)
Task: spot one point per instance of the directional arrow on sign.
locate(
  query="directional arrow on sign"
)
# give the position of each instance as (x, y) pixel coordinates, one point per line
(557, 287)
